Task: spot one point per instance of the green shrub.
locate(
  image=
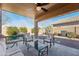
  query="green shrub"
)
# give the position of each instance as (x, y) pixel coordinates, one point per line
(12, 31)
(71, 35)
(33, 30)
(59, 34)
(77, 36)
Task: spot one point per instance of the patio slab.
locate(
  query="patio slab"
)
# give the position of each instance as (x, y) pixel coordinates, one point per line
(57, 50)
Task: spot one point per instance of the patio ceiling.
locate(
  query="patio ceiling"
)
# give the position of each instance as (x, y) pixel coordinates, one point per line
(20, 8)
(29, 9)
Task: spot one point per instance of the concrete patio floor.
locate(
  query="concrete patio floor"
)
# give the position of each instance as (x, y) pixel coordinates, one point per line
(56, 50)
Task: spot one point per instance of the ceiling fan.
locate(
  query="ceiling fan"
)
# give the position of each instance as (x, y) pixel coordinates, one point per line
(40, 6)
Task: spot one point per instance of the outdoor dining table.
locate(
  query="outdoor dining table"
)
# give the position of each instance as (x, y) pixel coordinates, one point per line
(41, 48)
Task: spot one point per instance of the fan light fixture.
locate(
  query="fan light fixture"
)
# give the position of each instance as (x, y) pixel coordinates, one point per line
(38, 8)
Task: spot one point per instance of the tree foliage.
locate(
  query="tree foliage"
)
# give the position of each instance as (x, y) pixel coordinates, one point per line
(33, 30)
(12, 31)
(23, 29)
(48, 30)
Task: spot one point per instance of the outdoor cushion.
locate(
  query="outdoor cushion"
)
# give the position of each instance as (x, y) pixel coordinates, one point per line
(13, 37)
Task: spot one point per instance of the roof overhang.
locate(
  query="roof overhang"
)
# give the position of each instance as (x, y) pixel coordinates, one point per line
(29, 9)
(59, 10)
(67, 22)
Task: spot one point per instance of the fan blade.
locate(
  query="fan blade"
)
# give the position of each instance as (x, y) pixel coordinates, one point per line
(41, 4)
(44, 9)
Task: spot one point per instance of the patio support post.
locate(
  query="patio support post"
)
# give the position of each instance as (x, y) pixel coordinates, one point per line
(36, 29)
(0, 21)
(75, 29)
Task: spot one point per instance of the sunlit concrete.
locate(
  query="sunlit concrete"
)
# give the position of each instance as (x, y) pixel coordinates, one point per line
(56, 50)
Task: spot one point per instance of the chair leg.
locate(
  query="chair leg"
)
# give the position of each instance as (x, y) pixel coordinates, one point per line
(16, 43)
(23, 41)
(50, 44)
(43, 41)
(13, 45)
(28, 47)
(53, 41)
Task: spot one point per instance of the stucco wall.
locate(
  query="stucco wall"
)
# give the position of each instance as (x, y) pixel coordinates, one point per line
(66, 28)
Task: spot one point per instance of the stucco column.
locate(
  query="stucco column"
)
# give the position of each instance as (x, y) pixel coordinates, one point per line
(36, 28)
(0, 21)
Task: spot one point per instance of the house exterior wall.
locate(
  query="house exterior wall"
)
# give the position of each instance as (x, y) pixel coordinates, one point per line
(66, 28)
(68, 25)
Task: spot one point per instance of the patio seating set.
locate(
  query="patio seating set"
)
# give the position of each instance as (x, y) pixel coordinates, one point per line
(31, 42)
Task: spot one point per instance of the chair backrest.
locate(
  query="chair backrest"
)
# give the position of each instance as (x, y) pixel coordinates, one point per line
(49, 37)
(28, 37)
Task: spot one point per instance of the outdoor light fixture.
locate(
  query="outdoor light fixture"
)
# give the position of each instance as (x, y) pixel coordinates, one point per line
(38, 8)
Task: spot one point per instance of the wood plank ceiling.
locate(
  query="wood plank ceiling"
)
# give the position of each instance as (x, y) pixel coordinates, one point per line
(29, 9)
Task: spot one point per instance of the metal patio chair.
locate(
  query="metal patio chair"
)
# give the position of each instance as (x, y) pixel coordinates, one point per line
(12, 41)
(49, 39)
(27, 38)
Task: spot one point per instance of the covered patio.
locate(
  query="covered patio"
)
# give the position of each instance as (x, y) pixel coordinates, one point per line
(30, 10)
(39, 12)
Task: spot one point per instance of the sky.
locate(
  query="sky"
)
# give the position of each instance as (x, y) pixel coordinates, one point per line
(16, 20)
(12, 19)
